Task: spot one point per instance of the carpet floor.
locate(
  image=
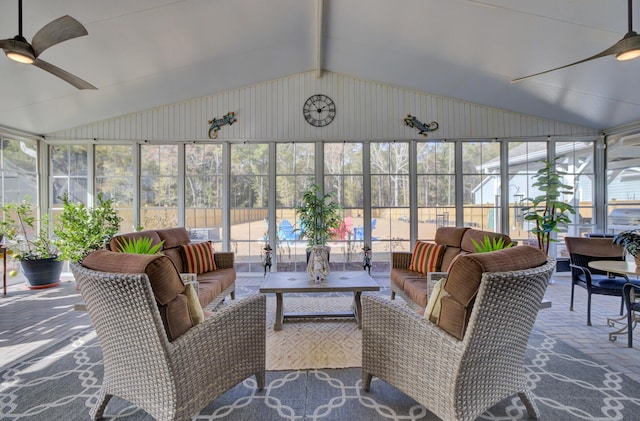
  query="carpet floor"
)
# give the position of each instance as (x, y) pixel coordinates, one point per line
(61, 383)
(315, 343)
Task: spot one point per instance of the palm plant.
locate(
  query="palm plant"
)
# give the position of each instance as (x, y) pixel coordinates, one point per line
(319, 215)
(547, 210)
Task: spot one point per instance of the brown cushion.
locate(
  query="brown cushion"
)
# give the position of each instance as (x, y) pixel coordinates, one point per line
(116, 240)
(174, 237)
(450, 236)
(164, 279)
(464, 278)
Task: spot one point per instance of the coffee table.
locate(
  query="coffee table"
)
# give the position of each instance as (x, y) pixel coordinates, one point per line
(280, 283)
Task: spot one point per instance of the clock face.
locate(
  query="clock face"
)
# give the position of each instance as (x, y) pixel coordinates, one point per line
(319, 110)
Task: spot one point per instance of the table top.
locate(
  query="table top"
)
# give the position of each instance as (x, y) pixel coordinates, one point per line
(614, 266)
(355, 281)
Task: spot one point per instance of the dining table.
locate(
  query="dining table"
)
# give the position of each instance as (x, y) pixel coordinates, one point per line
(627, 268)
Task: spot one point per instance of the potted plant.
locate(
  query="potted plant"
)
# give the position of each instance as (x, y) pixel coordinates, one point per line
(31, 245)
(547, 210)
(318, 216)
(630, 240)
(81, 230)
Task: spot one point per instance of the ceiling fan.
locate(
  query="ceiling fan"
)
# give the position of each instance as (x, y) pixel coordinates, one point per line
(55, 32)
(626, 49)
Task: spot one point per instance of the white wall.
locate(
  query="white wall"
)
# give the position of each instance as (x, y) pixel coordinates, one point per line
(366, 110)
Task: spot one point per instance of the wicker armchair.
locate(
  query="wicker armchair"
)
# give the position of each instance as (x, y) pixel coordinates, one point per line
(169, 380)
(458, 379)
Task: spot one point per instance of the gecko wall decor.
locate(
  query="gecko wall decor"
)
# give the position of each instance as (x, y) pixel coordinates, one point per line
(216, 123)
(422, 128)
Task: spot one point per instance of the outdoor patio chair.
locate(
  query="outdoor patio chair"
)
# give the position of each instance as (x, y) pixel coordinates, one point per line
(460, 367)
(168, 380)
(584, 250)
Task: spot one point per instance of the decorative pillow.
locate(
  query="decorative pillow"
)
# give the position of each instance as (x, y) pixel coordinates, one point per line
(426, 257)
(195, 309)
(432, 311)
(198, 257)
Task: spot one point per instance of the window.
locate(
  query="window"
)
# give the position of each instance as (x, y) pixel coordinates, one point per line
(159, 186)
(204, 187)
(436, 188)
(295, 171)
(115, 179)
(481, 185)
(343, 176)
(390, 183)
(249, 187)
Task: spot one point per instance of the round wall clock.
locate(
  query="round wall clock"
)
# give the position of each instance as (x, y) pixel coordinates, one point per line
(319, 110)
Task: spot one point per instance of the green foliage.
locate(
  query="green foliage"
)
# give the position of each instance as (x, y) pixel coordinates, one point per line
(547, 210)
(488, 245)
(630, 240)
(23, 238)
(318, 214)
(82, 230)
(140, 245)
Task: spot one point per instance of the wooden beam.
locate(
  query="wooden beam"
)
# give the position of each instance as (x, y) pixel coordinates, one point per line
(319, 10)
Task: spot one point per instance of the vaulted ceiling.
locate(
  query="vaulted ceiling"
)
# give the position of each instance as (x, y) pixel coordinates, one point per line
(146, 53)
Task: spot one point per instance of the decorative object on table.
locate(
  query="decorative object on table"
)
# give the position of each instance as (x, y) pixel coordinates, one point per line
(318, 215)
(422, 128)
(318, 266)
(487, 245)
(81, 230)
(547, 210)
(31, 245)
(266, 258)
(319, 110)
(366, 258)
(216, 124)
(630, 241)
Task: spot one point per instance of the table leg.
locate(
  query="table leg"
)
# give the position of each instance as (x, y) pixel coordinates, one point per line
(279, 312)
(357, 308)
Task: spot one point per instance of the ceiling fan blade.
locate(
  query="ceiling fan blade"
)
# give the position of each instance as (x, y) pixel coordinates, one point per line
(609, 51)
(63, 74)
(55, 32)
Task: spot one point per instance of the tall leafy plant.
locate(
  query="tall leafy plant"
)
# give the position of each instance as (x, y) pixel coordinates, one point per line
(318, 215)
(81, 230)
(547, 210)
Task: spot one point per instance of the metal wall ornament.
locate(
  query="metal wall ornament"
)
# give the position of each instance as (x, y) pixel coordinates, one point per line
(216, 124)
(422, 128)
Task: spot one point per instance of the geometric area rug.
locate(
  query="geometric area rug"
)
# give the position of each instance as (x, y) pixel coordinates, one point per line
(60, 384)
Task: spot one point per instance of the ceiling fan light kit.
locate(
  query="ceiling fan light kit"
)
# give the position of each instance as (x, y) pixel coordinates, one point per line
(626, 49)
(629, 47)
(62, 29)
(20, 51)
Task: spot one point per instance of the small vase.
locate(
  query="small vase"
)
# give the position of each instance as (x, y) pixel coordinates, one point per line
(318, 266)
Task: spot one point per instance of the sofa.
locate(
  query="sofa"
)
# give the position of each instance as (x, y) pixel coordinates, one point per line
(413, 285)
(216, 278)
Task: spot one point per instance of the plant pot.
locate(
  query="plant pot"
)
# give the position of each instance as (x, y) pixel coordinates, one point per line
(42, 273)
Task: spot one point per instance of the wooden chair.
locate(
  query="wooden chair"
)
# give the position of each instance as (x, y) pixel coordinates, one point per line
(581, 252)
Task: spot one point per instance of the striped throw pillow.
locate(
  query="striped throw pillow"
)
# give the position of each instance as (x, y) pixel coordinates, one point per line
(426, 257)
(198, 257)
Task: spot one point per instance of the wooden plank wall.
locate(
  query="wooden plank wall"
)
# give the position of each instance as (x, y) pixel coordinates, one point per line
(366, 111)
